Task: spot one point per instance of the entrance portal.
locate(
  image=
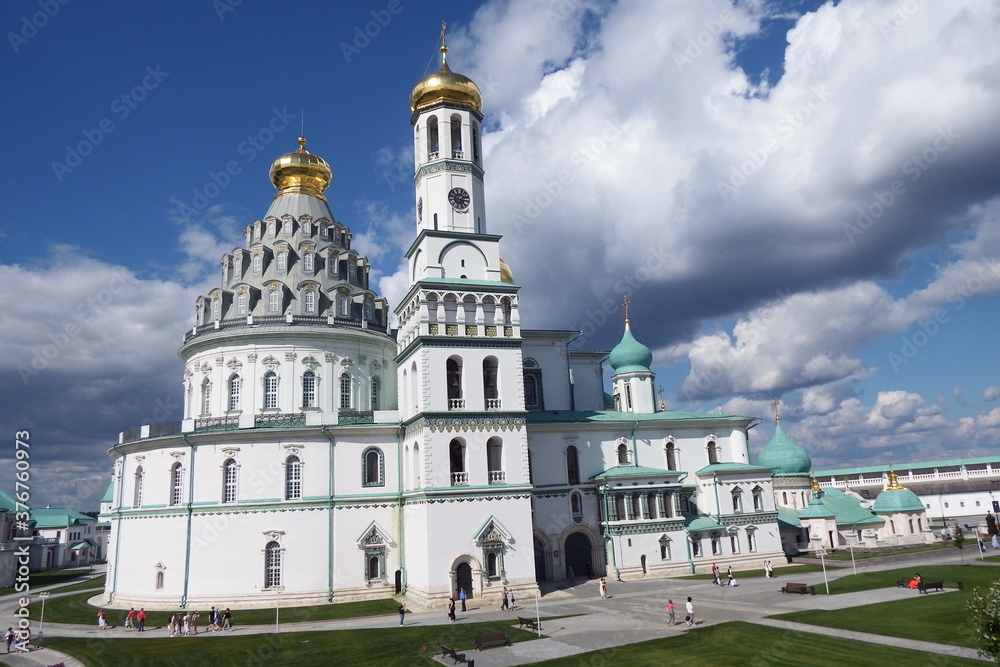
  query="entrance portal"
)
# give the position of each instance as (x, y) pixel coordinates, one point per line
(463, 579)
(578, 552)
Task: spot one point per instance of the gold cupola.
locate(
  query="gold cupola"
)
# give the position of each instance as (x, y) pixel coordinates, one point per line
(506, 275)
(300, 172)
(445, 86)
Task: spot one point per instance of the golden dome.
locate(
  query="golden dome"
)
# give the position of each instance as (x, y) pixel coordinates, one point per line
(506, 275)
(301, 172)
(445, 86)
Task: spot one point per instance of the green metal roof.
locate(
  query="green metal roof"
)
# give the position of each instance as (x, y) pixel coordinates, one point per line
(890, 501)
(787, 519)
(784, 455)
(719, 468)
(7, 503)
(109, 495)
(816, 509)
(616, 417)
(845, 509)
(83, 544)
(634, 471)
(59, 517)
(700, 523)
(948, 463)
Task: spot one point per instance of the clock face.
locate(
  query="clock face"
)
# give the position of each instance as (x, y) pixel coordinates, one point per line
(459, 199)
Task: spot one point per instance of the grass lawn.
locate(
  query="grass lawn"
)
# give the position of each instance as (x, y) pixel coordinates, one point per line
(40, 579)
(784, 570)
(740, 643)
(96, 582)
(949, 574)
(386, 647)
(74, 609)
(861, 554)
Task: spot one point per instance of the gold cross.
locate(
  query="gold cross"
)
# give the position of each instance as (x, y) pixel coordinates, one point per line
(777, 417)
(625, 304)
(443, 26)
(663, 406)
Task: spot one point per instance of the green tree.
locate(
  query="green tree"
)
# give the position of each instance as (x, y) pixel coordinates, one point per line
(984, 607)
(958, 537)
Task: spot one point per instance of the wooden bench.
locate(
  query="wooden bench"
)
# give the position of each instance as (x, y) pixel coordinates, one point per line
(799, 588)
(450, 652)
(936, 585)
(528, 622)
(492, 639)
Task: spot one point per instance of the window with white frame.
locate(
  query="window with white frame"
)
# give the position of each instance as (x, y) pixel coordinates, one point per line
(229, 472)
(235, 385)
(309, 301)
(308, 389)
(343, 305)
(373, 467)
(217, 307)
(671, 451)
(272, 227)
(758, 499)
(737, 500)
(206, 396)
(734, 542)
(176, 483)
(345, 391)
(293, 478)
(572, 465)
(751, 538)
(576, 506)
(258, 262)
(273, 300)
(281, 261)
(375, 393)
(270, 390)
(307, 262)
(272, 565)
(241, 303)
(238, 266)
(665, 548)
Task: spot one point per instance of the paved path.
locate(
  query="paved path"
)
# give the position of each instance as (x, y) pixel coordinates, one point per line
(634, 612)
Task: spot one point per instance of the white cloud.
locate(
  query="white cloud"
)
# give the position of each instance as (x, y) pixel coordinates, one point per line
(991, 393)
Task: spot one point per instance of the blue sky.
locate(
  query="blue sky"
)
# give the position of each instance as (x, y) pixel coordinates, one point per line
(799, 198)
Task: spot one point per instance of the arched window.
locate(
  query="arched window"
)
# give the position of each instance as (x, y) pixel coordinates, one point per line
(345, 391)
(352, 270)
(331, 264)
(206, 397)
(455, 125)
(176, 483)
(490, 390)
(235, 384)
(273, 300)
(281, 261)
(238, 266)
(343, 305)
(737, 499)
(159, 580)
(671, 456)
(494, 461)
(432, 138)
(258, 261)
(713, 452)
(309, 302)
(308, 389)
(628, 397)
(137, 494)
(373, 468)
(572, 465)
(217, 308)
(751, 538)
(475, 144)
(576, 506)
(784, 498)
(272, 227)
(270, 390)
(241, 303)
(530, 391)
(375, 392)
(622, 454)
(307, 262)
(369, 310)
(456, 461)
(293, 478)
(272, 565)
(229, 469)
(454, 380)
(758, 499)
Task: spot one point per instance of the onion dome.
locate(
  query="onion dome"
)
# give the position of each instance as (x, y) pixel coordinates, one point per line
(896, 498)
(445, 86)
(300, 172)
(629, 355)
(506, 275)
(784, 455)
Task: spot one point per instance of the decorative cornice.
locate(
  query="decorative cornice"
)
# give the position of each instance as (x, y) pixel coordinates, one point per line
(447, 165)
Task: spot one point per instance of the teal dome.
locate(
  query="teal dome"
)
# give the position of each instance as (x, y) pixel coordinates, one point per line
(785, 456)
(896, 498)
(629, 355)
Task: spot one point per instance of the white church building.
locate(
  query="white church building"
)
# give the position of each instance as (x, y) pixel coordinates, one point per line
(325, 456)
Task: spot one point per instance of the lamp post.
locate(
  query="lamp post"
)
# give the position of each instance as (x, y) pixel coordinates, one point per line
(277, 605)
(41, 618)
(850, 544)
(821, 552)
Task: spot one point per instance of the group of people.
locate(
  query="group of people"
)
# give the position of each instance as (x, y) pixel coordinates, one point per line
(19, 640)
(507, 601)
(717, 576)
(133, 619)
(688, 611)
(187, 623)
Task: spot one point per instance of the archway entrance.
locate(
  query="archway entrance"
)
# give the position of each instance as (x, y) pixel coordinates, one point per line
(578, 550)
(463, 579)
(539, 560)
(399, 581)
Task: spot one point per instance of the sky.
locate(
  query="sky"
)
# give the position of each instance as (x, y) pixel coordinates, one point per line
(800, 199)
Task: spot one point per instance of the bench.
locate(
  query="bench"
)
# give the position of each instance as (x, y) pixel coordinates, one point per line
(530, 623)
(799, 588)
(936, 585)
(492, 639)
(450, 652)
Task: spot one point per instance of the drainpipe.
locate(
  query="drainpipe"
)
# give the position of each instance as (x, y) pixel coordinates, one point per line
(190, 512)
(399, 515)
(329, 525)
(687, 541)
(569, 374)
(718, 508)
(118, 515)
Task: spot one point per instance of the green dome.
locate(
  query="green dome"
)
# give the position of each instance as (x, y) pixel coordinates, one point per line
(896, 498)
(629, 355)
(784, 455)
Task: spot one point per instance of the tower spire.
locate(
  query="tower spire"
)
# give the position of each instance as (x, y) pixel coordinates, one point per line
(777, 416)
(625, 303)
(444, 45)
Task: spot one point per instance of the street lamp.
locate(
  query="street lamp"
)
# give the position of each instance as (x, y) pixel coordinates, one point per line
(277, 605)
(821, 552)
(41, 619)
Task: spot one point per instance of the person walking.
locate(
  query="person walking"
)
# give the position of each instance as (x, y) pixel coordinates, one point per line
(510, 595)
(402, 613)
(996, 543)
(503, 602)
(715, 574)
(729, 575)
(102, 620)
(670, 613)
(461, 596)
(186, 623)
(9, 637)
(689, 610)
(768, 571)
(451, 610)
(141, 619)
(604, 589)
(172, 625)
(129, 619)
(227, 620)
